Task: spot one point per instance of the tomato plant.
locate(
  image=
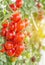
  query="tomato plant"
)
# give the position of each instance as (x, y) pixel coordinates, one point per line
(21, 31)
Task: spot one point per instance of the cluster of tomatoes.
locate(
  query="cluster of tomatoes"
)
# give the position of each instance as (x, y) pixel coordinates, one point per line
(12, 32)
(16, 5)
(14, 35)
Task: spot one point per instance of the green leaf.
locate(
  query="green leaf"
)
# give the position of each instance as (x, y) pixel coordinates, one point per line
(3, 57)
(43, 47)
(1, 40)
(1, 63)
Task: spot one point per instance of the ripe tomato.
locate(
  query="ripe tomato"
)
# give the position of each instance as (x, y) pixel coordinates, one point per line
(13, 26)
(13, 7)
(19, 37)
(8, 45)
(11, 52)
(4, 31)
(10, 35)
(16, 17)
(20, 26)
(5, 24)
(19, 3)
(19, 49)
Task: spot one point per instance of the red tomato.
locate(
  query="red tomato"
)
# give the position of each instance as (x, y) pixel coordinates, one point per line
(19, 49)
(10, 35)
(19, 37)
(20, 26)
(8, 45)
(5, 24)
(16, 17)
(19, 3)
(4, 31)
(11, 52)
(13, 7)
(13, 26)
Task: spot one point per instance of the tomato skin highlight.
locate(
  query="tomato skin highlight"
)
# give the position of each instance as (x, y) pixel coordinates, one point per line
(13, 7)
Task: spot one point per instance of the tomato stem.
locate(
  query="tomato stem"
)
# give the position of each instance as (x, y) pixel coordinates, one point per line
(34, 22)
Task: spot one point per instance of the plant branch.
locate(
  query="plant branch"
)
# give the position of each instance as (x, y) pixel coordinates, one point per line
(34, 22)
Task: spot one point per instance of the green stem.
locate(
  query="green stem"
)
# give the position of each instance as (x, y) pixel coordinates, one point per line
(34, 22)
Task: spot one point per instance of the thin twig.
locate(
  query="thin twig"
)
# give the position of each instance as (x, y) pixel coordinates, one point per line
(34, 22)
